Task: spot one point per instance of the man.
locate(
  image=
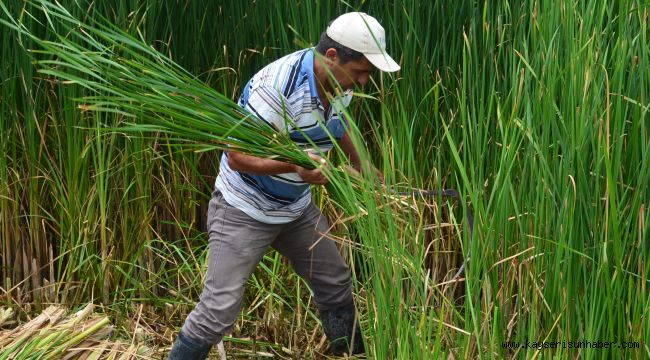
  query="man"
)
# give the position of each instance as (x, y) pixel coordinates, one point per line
(259, 202)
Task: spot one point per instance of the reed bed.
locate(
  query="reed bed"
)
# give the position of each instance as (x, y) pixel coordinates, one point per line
(537, 112)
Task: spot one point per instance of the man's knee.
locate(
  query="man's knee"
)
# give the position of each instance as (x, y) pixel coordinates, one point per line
(203, 331)
(333, 292)
(212, 317)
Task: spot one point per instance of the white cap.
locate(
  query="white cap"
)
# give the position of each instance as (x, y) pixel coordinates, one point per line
(363, 33)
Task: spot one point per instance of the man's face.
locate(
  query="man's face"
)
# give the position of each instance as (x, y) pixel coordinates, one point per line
(350, 74)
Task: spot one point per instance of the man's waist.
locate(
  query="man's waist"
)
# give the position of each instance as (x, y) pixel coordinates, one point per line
(261, 206)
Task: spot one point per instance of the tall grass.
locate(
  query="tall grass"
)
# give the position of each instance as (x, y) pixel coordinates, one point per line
(537, 112)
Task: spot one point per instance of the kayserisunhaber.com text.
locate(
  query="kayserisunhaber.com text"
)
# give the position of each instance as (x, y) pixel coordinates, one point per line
(580, 344)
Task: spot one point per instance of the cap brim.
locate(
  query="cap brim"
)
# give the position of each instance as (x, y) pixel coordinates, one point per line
(383, 62)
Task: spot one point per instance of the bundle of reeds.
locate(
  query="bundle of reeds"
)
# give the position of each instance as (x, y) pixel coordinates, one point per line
(125, 76)
(55, 334)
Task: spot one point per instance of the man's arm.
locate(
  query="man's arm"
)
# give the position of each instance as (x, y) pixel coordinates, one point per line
(259, 166)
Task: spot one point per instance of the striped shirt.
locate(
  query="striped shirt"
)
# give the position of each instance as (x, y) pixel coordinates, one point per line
(286, 86)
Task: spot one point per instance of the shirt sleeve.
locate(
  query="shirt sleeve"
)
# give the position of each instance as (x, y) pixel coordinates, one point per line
(270, 106)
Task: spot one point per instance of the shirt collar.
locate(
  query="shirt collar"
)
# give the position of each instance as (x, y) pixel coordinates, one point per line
(307, 67)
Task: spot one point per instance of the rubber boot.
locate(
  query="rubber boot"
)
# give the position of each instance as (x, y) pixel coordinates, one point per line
(342, 329)
(186, 348)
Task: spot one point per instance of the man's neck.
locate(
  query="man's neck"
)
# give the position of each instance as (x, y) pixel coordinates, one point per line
(322, 82)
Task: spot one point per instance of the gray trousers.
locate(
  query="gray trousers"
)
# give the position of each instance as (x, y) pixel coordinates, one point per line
(237, 243)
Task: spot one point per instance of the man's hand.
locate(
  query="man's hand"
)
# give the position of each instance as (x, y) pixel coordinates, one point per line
(362, 167)
(357, 170)
(314, 176)
(379, 175)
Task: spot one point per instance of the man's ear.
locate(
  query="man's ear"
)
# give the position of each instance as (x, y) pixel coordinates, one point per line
(332, 55)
